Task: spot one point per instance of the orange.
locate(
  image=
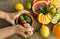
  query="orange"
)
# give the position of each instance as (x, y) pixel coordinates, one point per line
(56, 30)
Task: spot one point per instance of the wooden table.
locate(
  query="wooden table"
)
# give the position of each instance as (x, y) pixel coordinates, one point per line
(8, 6)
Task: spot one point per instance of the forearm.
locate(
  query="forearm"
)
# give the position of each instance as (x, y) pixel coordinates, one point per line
(5, 32)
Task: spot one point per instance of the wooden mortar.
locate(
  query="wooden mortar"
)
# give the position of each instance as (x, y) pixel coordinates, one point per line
(16, 21)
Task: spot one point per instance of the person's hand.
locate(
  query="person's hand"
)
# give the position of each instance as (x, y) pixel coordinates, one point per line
(21, 30)
(10, 17)
(13, 16)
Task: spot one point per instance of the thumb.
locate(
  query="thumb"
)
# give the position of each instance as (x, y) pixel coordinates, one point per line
(20, 13)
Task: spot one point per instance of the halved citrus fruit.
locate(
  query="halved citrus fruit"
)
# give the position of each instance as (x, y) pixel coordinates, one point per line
(37, 4)
(39, 0)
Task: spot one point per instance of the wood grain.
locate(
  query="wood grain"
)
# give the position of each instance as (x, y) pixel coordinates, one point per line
(8, 6)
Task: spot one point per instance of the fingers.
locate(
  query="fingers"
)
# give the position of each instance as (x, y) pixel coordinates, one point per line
(24, 11)
(21, 31)
(27, 25)
(20, 12)
(23, 34)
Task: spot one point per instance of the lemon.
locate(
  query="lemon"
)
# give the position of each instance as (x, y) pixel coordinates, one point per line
(19, 6)
(44, 31)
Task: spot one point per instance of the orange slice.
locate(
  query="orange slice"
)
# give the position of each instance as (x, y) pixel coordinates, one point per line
(39, 18)
(43, 19)
(47, 19)
(49, 16)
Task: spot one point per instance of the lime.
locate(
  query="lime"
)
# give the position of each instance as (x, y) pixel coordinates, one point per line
(28, 5)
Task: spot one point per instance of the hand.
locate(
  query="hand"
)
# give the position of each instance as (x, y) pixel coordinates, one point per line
(21, 30)
(13, 16)
(10, 17)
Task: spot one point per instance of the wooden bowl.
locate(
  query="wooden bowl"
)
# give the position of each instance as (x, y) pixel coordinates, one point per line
(16, 21)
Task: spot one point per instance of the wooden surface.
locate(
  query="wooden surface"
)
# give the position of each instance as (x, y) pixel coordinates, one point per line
(8, 6)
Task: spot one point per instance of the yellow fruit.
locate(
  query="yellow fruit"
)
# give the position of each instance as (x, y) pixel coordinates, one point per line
(44, 19)
(39, 18)
(19, 6)
(47, 19)
(55, 3)
(49, 16)
(44, 31)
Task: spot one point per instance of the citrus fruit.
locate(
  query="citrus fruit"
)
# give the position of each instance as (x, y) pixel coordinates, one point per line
(44, 31)
(19, 6)
(39, 0)
(44, 19)
(39, 18)
(28, 5)
(55, 3)
(55, 18)
(56, 30)
(37, 4)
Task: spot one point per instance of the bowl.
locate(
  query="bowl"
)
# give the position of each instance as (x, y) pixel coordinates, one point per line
(32, 23)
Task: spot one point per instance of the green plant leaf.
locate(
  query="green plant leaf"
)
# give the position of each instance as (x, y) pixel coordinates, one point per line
(42, 9)
(47, 9)
(21, 17)
(28, 19)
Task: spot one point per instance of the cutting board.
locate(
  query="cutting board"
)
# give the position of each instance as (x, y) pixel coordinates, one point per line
(8, 6)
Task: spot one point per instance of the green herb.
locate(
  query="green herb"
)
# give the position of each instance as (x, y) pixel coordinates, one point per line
(21, 17)
(36, 30)
(47, 9)
(42, 9)
(51, 14)
(22, 37)
(28, 19)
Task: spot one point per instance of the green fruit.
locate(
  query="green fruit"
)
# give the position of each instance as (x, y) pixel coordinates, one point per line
(21, 17)
(44, 31)
(28, 19)
(28, 5)
(56, 18)
(58, 10)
